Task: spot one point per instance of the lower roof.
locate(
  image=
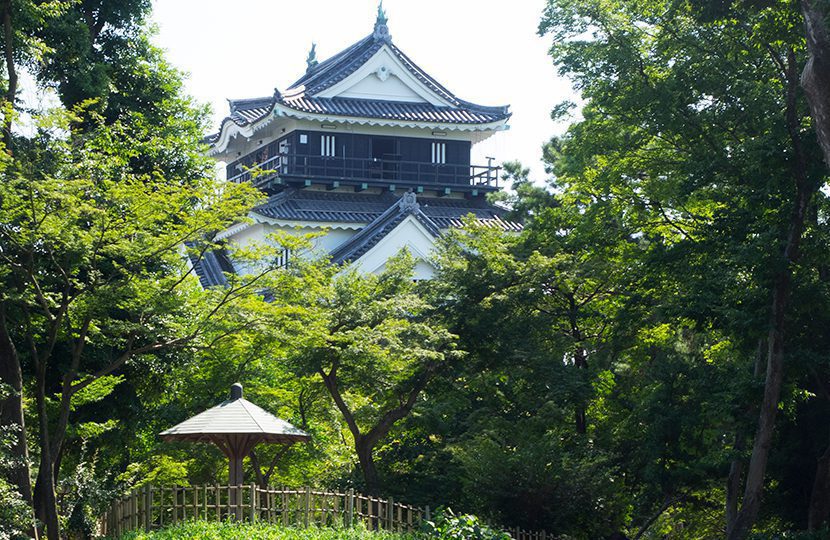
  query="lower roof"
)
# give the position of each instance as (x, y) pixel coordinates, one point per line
(351, 207)
(378, 213)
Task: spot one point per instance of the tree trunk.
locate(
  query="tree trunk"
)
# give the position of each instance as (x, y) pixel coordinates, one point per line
(11, 413)
(733, 484)
(815, 78)
(819, 509)
(581, 363)
(738, 465)
(804, 191)
(11, 72)
(46, 505)
(580, 416)
(366, 458)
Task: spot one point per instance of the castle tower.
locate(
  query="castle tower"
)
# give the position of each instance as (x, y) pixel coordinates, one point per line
(365, 145)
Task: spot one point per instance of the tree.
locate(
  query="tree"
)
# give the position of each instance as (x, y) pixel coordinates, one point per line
(93, 270)
(376, 348)
(675, 106)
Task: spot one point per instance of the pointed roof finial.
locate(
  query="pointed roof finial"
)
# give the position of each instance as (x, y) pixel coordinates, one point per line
(311, 59)
(381, 29)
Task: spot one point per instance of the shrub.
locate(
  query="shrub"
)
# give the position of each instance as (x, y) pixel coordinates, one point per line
(259, 531)
(448, 526)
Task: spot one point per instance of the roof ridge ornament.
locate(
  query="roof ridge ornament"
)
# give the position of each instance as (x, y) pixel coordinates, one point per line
(311, 60)
(381, 28)
(409, 202)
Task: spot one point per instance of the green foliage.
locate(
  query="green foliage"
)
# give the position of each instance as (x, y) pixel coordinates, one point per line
(15, 514)
(793, 535)
(449, 526)
(229, 530)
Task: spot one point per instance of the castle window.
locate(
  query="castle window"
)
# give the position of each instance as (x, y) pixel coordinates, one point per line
(439, 152)
(327, 145)
(282, 258)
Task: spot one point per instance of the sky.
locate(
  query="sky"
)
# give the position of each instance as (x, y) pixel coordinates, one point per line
(483, 51)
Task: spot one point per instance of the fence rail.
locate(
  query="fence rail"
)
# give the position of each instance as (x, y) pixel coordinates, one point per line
(152, 507)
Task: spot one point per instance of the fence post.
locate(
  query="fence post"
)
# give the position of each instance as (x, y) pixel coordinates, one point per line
(307, 504)
(285, 504)
(350, 508)
(175, 492)
(237, 490)
(390, 514)
(147, 509)
(253, 503)
(427, 515)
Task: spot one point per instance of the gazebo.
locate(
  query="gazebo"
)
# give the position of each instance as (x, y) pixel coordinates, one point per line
(235, 426)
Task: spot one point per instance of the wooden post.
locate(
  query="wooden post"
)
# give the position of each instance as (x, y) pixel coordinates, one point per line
(307, 504)
(253, 503)
(148, 508)
(336, 513)
(350, 508)
(426, 514)
(390, 514)
(284, 506)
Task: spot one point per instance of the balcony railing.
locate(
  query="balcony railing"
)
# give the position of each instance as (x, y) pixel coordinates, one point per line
(371, 170)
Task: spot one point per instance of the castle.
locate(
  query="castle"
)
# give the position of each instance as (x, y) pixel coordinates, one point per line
(366, 147)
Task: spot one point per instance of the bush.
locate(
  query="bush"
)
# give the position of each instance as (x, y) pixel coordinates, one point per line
(448, 526)
(260, 531)
(822, 534)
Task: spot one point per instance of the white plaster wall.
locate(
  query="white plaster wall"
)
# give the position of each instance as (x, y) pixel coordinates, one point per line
(409, 234)
(259, 233)
(385, 58)
(392, 89)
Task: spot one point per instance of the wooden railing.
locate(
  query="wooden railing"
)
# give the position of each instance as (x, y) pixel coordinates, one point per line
(369, 170)
(155, 507)
(150, 507)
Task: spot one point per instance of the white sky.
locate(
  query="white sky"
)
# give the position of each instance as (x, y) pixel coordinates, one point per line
(484, 51)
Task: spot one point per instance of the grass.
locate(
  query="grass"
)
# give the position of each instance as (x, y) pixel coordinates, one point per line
(202, 530)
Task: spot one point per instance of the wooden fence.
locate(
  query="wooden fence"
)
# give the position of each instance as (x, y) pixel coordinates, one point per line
(155, 507)
(151, 507)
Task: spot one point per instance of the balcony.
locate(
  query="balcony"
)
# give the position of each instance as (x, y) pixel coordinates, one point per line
(292, 168)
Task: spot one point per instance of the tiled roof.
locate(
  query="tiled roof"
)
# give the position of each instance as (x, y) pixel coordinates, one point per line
(378, 213)
(358, 245)
(339, 66)
(303, 97)
(211, 267)
(339, 207)
(396, 110)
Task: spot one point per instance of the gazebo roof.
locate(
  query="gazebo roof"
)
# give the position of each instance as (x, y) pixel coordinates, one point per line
(236, 416)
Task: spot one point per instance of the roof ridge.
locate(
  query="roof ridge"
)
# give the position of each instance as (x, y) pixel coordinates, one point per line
(405, 206)
(244, 402)
(328, 63)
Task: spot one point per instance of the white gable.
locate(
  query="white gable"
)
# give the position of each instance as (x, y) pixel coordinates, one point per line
(384, 77)
(373, 87)
(409, 234)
